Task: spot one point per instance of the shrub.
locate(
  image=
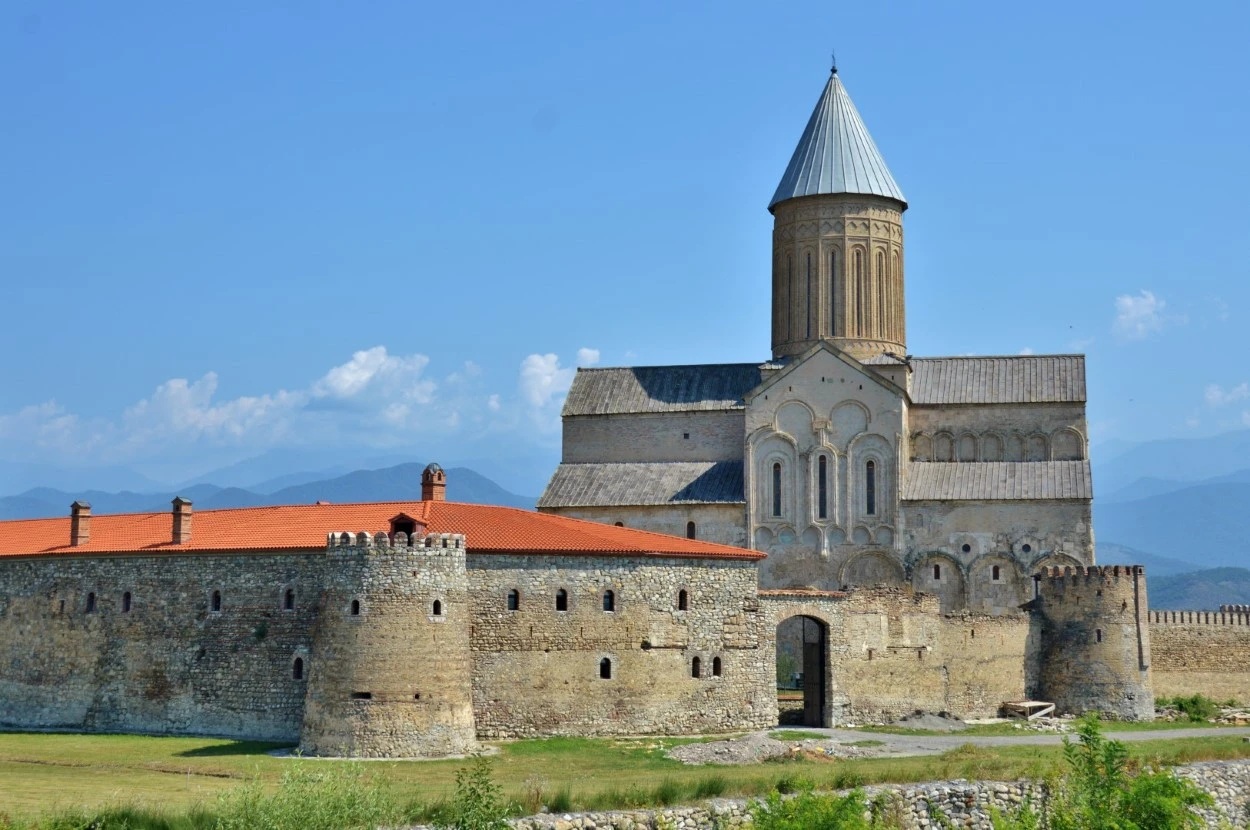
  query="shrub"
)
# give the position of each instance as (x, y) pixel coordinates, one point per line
(477, 803)
(1198, 708)
(810, 811)
(332, 797)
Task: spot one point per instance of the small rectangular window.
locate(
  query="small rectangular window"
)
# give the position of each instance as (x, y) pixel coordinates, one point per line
(362, 695)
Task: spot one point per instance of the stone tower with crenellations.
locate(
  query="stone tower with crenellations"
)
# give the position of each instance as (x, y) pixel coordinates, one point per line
(838, 239)
(393, 674)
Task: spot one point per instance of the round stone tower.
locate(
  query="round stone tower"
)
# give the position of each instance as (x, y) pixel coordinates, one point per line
(1095, 641)
(390, 667)
(838, 239)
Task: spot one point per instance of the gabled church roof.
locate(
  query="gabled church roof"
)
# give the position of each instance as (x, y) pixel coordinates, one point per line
(836, 154)
(616, 484)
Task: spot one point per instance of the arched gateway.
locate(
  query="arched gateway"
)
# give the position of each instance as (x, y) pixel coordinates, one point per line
(800, 620)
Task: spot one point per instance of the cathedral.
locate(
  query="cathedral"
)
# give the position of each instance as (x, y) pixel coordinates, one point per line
(843, 457)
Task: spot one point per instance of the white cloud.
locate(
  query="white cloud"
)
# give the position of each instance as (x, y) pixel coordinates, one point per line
(1027, 350)
(542, 378)
(1216, 395)
(587, 357)
(375, 371)
(1137, 317)
(492, 403)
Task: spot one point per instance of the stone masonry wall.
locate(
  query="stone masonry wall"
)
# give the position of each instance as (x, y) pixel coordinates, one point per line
(1201, 652)
(724, 524)
(713, 436)
(169, 665)
(536, 670)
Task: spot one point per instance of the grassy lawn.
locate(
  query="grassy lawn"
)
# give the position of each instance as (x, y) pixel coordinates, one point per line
(982, 730)
(42, 772)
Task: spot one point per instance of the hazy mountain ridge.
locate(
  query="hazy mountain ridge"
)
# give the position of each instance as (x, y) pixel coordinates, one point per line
(1199, 590)
(398, 483)
(1110, 553)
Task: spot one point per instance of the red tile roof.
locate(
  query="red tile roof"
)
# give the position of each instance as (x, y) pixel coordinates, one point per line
(487, 529)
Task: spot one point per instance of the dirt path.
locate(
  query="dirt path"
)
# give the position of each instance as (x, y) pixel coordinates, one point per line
(899, 745)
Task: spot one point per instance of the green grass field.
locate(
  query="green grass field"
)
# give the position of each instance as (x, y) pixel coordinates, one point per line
(984, 730)
(41, 772)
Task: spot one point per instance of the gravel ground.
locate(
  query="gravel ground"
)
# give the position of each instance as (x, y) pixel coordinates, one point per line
(759, 746)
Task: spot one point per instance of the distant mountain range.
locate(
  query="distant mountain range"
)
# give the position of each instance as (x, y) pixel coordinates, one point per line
(399, 483)
(1109, 553)
(1199, 590)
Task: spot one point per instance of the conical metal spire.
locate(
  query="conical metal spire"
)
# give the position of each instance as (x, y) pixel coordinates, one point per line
(836, 154)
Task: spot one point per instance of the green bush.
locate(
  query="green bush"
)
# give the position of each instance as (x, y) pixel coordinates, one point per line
(310, 797)
(711, 787)
(810, 811)
(477, 803)
(1198, 708)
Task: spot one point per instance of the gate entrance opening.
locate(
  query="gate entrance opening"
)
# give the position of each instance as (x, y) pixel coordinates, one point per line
(802, 667)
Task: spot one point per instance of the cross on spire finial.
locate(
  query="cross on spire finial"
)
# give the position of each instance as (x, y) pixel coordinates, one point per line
(833, 59)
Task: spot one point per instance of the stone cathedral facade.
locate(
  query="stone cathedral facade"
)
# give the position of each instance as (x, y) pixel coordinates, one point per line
(846, 459)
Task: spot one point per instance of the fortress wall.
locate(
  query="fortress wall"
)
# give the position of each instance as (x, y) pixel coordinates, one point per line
(536, 670)
(1201, 652)
(721, 523)
(659, 436)
(989, 660)
(170, 665)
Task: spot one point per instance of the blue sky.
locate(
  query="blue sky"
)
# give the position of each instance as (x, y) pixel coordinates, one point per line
(394, 228)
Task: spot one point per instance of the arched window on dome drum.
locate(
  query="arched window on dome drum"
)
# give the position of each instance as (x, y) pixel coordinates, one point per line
(879, 316)
(789, 299)
(822, 487)
(833, 293)
(807, 306)
(861, 293)
(870, 488)
(777, 489)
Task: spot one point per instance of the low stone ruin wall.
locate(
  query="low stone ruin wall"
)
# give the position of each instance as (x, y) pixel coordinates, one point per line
(965, 804)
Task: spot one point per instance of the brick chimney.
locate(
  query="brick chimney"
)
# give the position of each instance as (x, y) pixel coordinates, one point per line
(182, 521)
(79, 523)
(433, 483)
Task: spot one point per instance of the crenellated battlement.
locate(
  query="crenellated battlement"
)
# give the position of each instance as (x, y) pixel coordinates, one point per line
(1094, 572)
(1221, 617)
(386, 539)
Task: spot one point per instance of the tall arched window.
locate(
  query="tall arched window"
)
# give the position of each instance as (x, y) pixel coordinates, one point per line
(937, 571)
(777, 489)
(695, 668)
(216, 601)
(297, 669)
(126, 603)
(438, 608)
(870, 488)
(879, 316)
(355, 608)
(609, 601)
(683, 600)
(789, 299)
(562, 600)
(997, 573)
(715, 667)
(288, 600)
(91, 603)
(822, 487)
(833, 292)
(860, 292)
(807, 309)
(514, 600)
(690, 530)
(605, 669)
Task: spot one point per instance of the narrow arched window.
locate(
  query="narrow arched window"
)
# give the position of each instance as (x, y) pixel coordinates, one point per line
(690, 530)
(297, 669)
(997, 573)
(683, 600)
(860, 292)
(789, 298)
(216, 601)
(822, 487)
(715, 667)
(605, 669)
(833, 292)
(91, 603)
(562, 600)
(777, 489)
(355, 608)
(609, 601)
(870, 488)
(1098, 635)
(288, 600)
(879, 317)
(807, 308)
(438, 608)
(695, 670)
(514, 600)
(126, 603)
(937, 571)
(618, 524)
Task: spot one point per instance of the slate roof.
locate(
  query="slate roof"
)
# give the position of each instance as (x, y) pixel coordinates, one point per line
(722, 386)
(836, 154)
(989, 380)
(486, 528)
(638, 483)
(707, 387)
(998, 481)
